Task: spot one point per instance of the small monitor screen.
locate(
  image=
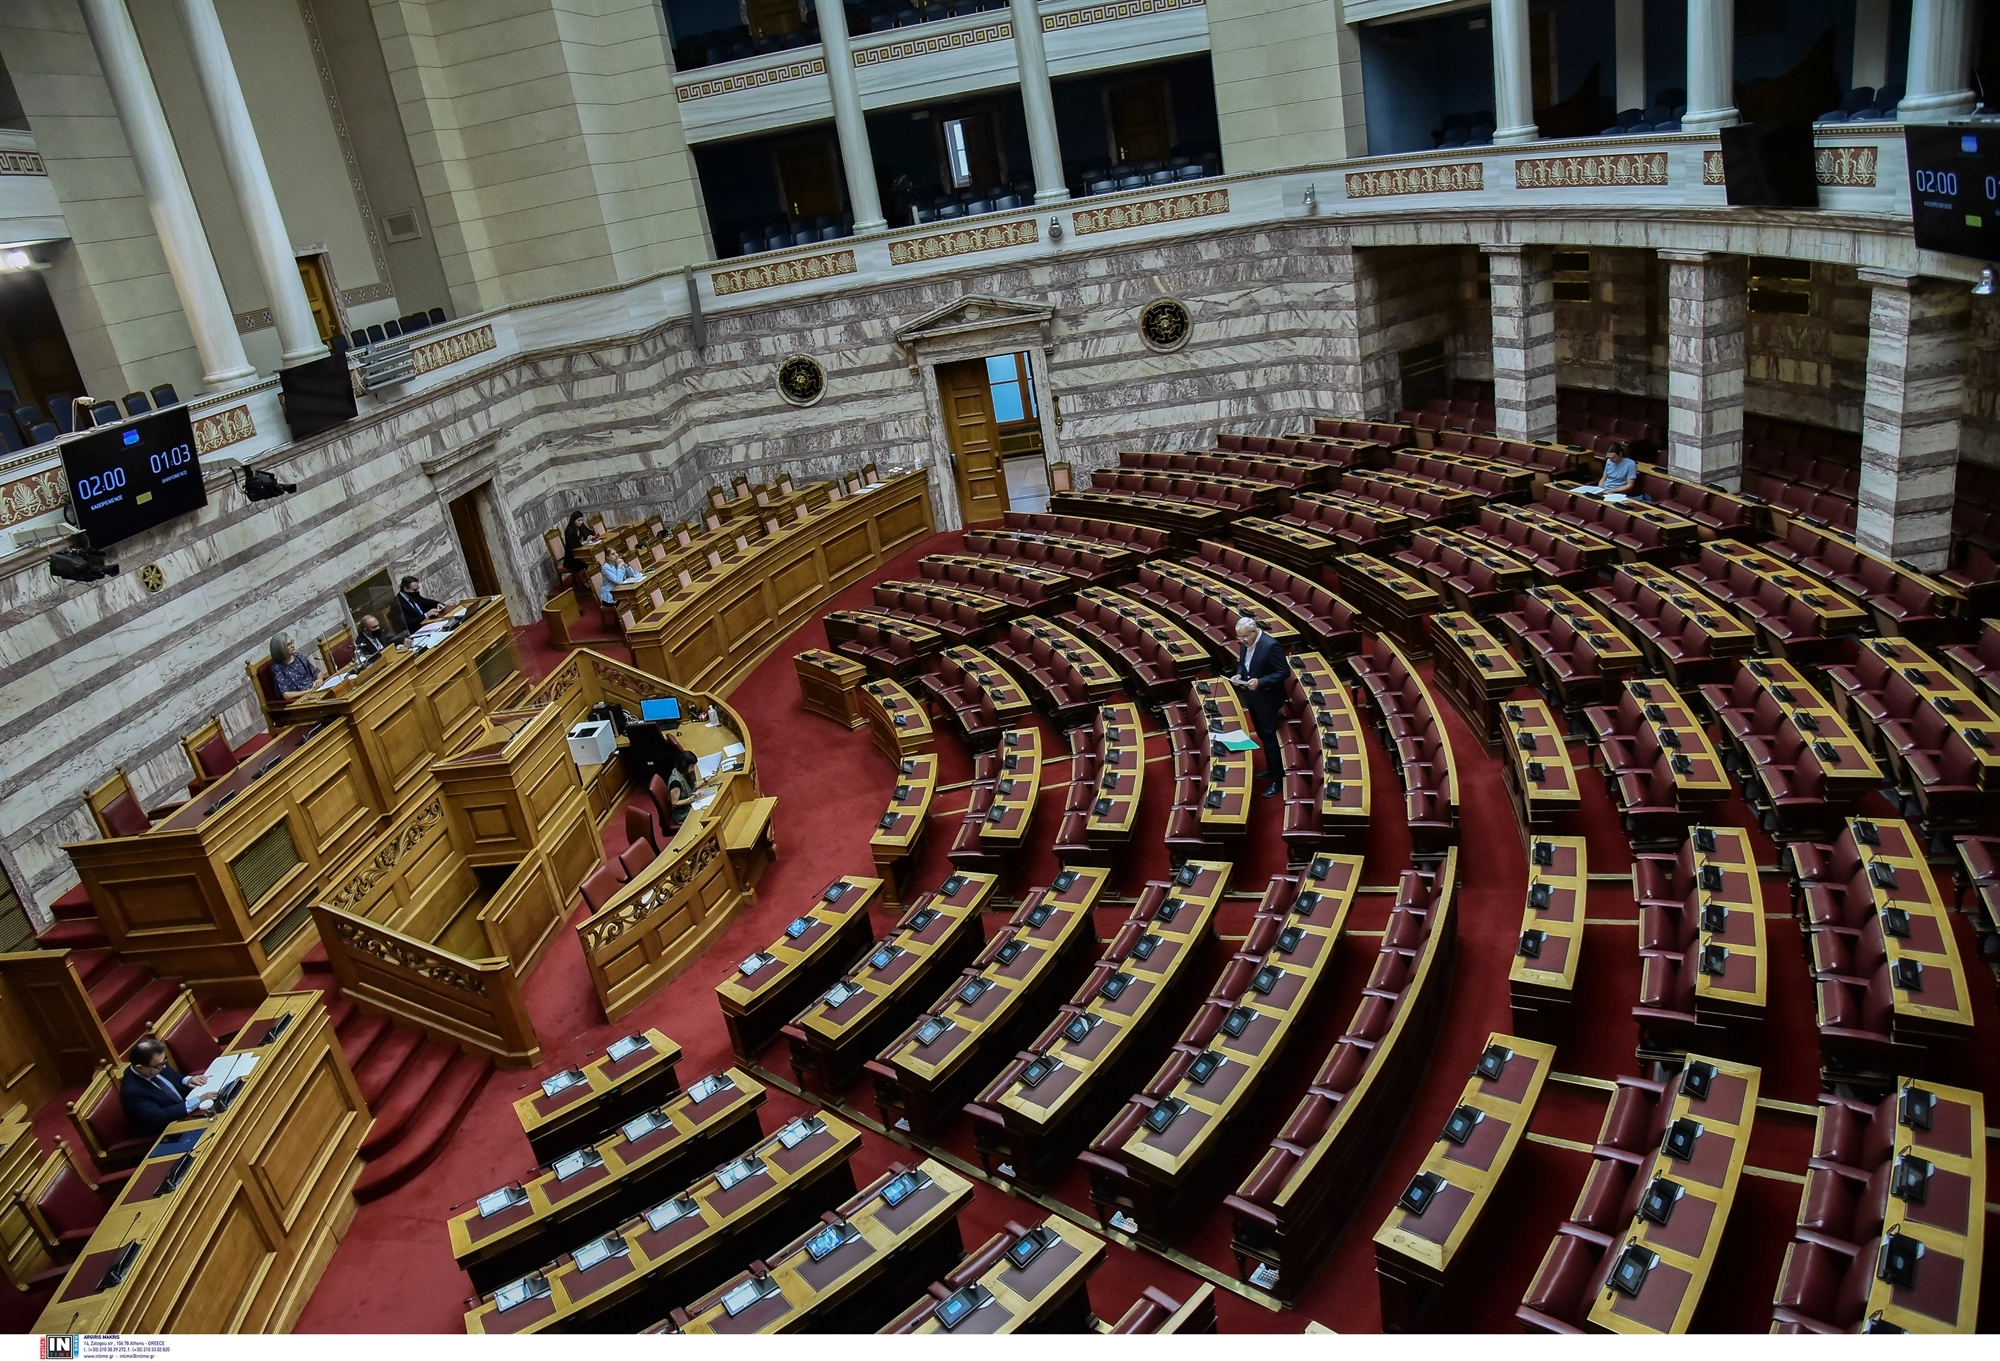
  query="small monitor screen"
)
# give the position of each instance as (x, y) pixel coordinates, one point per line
(622, 1049)
(672, 1211)
(520, 1292)
(900, 1190)
(959, 1307)
(660, 710)
(125, 479)
(826, 1241)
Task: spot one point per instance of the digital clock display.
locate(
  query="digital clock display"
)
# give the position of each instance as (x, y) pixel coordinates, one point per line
(127, 478)
(1955, 189)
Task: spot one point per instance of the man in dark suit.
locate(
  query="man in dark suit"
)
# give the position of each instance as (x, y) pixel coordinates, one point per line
(371, 640)
(1260, 682)
(153, 1095)
(411, 607)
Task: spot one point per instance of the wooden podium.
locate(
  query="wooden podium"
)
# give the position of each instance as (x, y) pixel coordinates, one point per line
(267, 1191)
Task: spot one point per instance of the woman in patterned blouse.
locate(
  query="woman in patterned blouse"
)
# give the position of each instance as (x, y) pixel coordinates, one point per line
(292, 674)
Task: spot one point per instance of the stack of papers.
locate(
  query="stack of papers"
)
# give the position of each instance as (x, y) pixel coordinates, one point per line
(1236, 740)
(707, 766)
(221, 1073)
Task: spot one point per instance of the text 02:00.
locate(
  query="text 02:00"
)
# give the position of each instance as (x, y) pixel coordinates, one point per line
(94, 486)
(177, 457)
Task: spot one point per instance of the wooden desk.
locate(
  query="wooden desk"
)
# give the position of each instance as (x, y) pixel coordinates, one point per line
(1044, 948)
(1685, 1248)
(1833, 611)
(1010, 701)
(1389, 522)
(901, 827)
(827, 685)
(1704, 780)
(1950, 1221)
(1121, 775)
(843, 626)
(1514, 478)
(1389, 598)
(890, 1252)
(1458, 500)
(607, 1093)
(1850, 768)
(1029, 1125)
(1728, 636)
(1540, 774)
(1055, 584)
(557, 1212)
(897, 724)
(1593, 549)
(239, 1245)
(1346, 787)
(1933, 682)
(1616, 654)
(1476, 669)
(1152, 1176)
(815, 949)
(1181, 646)
(772, 1193)
(1416, 1253)
(939, 934)
(1540, 987)
(1047, 1296)
(1292, 545)
(1509, 572)
(1185, 521)
(1941, 1007)
(715, 629)
(1737, 992)
(1099, 678)
(1015, 793)
(1226, 792)
(1234, 600)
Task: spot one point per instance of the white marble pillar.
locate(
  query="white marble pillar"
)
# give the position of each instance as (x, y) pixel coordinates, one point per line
(1524, 341)
(1513, 75)
(243, 159)
(1938, 86)
(189, 260)
(1706, 319)
(1629, 43)
(1910, 416)
(1038, 103)
(1711, 66)
(849, 123)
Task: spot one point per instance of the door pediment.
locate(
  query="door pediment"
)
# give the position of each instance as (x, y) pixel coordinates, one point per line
(973, 313)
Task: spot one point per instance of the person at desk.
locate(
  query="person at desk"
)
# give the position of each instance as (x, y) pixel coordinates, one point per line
(411, 607)
(293, 674)
(1260, 679)
(153, 1094)
(576, 537)
(1621, 474)
(615, 572)
(682, 777)
(371, 640)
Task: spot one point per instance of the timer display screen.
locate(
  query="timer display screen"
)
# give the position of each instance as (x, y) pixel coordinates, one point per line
(1955, 189)
(128, 478)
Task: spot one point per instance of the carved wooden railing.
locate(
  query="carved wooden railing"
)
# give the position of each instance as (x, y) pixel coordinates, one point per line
(473, 1003)
(659, 922)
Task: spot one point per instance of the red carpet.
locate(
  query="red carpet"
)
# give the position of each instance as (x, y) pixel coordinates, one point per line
(394, 1272)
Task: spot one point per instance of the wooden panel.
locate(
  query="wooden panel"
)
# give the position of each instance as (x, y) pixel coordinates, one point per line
(848, 551)
(634, 945)
(295, 1151)
(51, 998)
(797, 583)
(28, 1070)
(230, 1271)
(474, 1004)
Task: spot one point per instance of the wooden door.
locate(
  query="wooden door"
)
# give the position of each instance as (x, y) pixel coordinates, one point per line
(472, 542)
(319, 296)
(809, 177)
(968, 419)
(1141, 124)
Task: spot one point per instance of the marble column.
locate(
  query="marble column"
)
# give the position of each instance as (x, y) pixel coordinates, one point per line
(1938, 86)
(1360, 363)
(849, 123)
(1524, 341)
(1910, 416)
(1705, 367)
(1513, 75)
(189, 259)
(1711, 66)
(243, 159)
(1038, 102)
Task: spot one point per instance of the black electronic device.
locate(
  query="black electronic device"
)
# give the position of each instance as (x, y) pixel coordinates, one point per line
(1492, 1063)
(1187, 874)
(1824, 750)
(1037, 1070)
(1783, 692)
(1102, 808)
(1628, 1278)
(1422, 1190)
(1913, 1107)
(835, 892)
(1213, 799)
(931, 1028)
(1029, 1246)
(1006, 788)
(1536, 772)
(886, 821)
(1335, 766)
(1110, 781)
(901, 792)
(1867, 833)
(1696, 1079)
(1911, 1181)
(1877, 1324)
(1531, 943)
(277, 1028)
(1711, 878)
(1670, 739)
(957, 1307)
(922, 921)
(1039, 914)
(950, 887)
(1539, 896)
(317, 395)
(1064, 880)
(120, 1265)
(1657, 1204)
(1681, 1136)
(1169, 909)
(1460, 1126)
(1681, 765)
(1655, 713)
(1759, 670)
(1011, 738)
(1714, 960)
(1714, 917)
(1321, 867)
(1012, 761)
(902, 1188)
(1289, 938)
(1164, 1113)
(1882, 874)
(1704, 840)
(1238, 1021)
(184, 1164)
(1527, 741)
(1514, 713)
(1009, 952)
(1641, 690)
(975, 988)
(125, 479)
(1306, 903)
(1266, 979)
(1806, 721)
(1896, 922)
(1907, 974)
(1114, 987)
(1955, 189)
(1946, 705)
(884, 957)
(1898, 1263)
(1204, 1066)
(1545, 853)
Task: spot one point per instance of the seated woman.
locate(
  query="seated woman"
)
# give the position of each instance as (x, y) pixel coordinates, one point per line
(615, 572)
(293, 674)
(576, 536)
(682, 777)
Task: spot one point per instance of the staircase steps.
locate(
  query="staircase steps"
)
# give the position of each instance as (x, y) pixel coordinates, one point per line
(406, 1096)
(423, 1137)
(144, 1006)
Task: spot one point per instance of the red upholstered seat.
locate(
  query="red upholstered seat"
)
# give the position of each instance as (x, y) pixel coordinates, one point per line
(603, 885)
(124, 817)
(69, 1207)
